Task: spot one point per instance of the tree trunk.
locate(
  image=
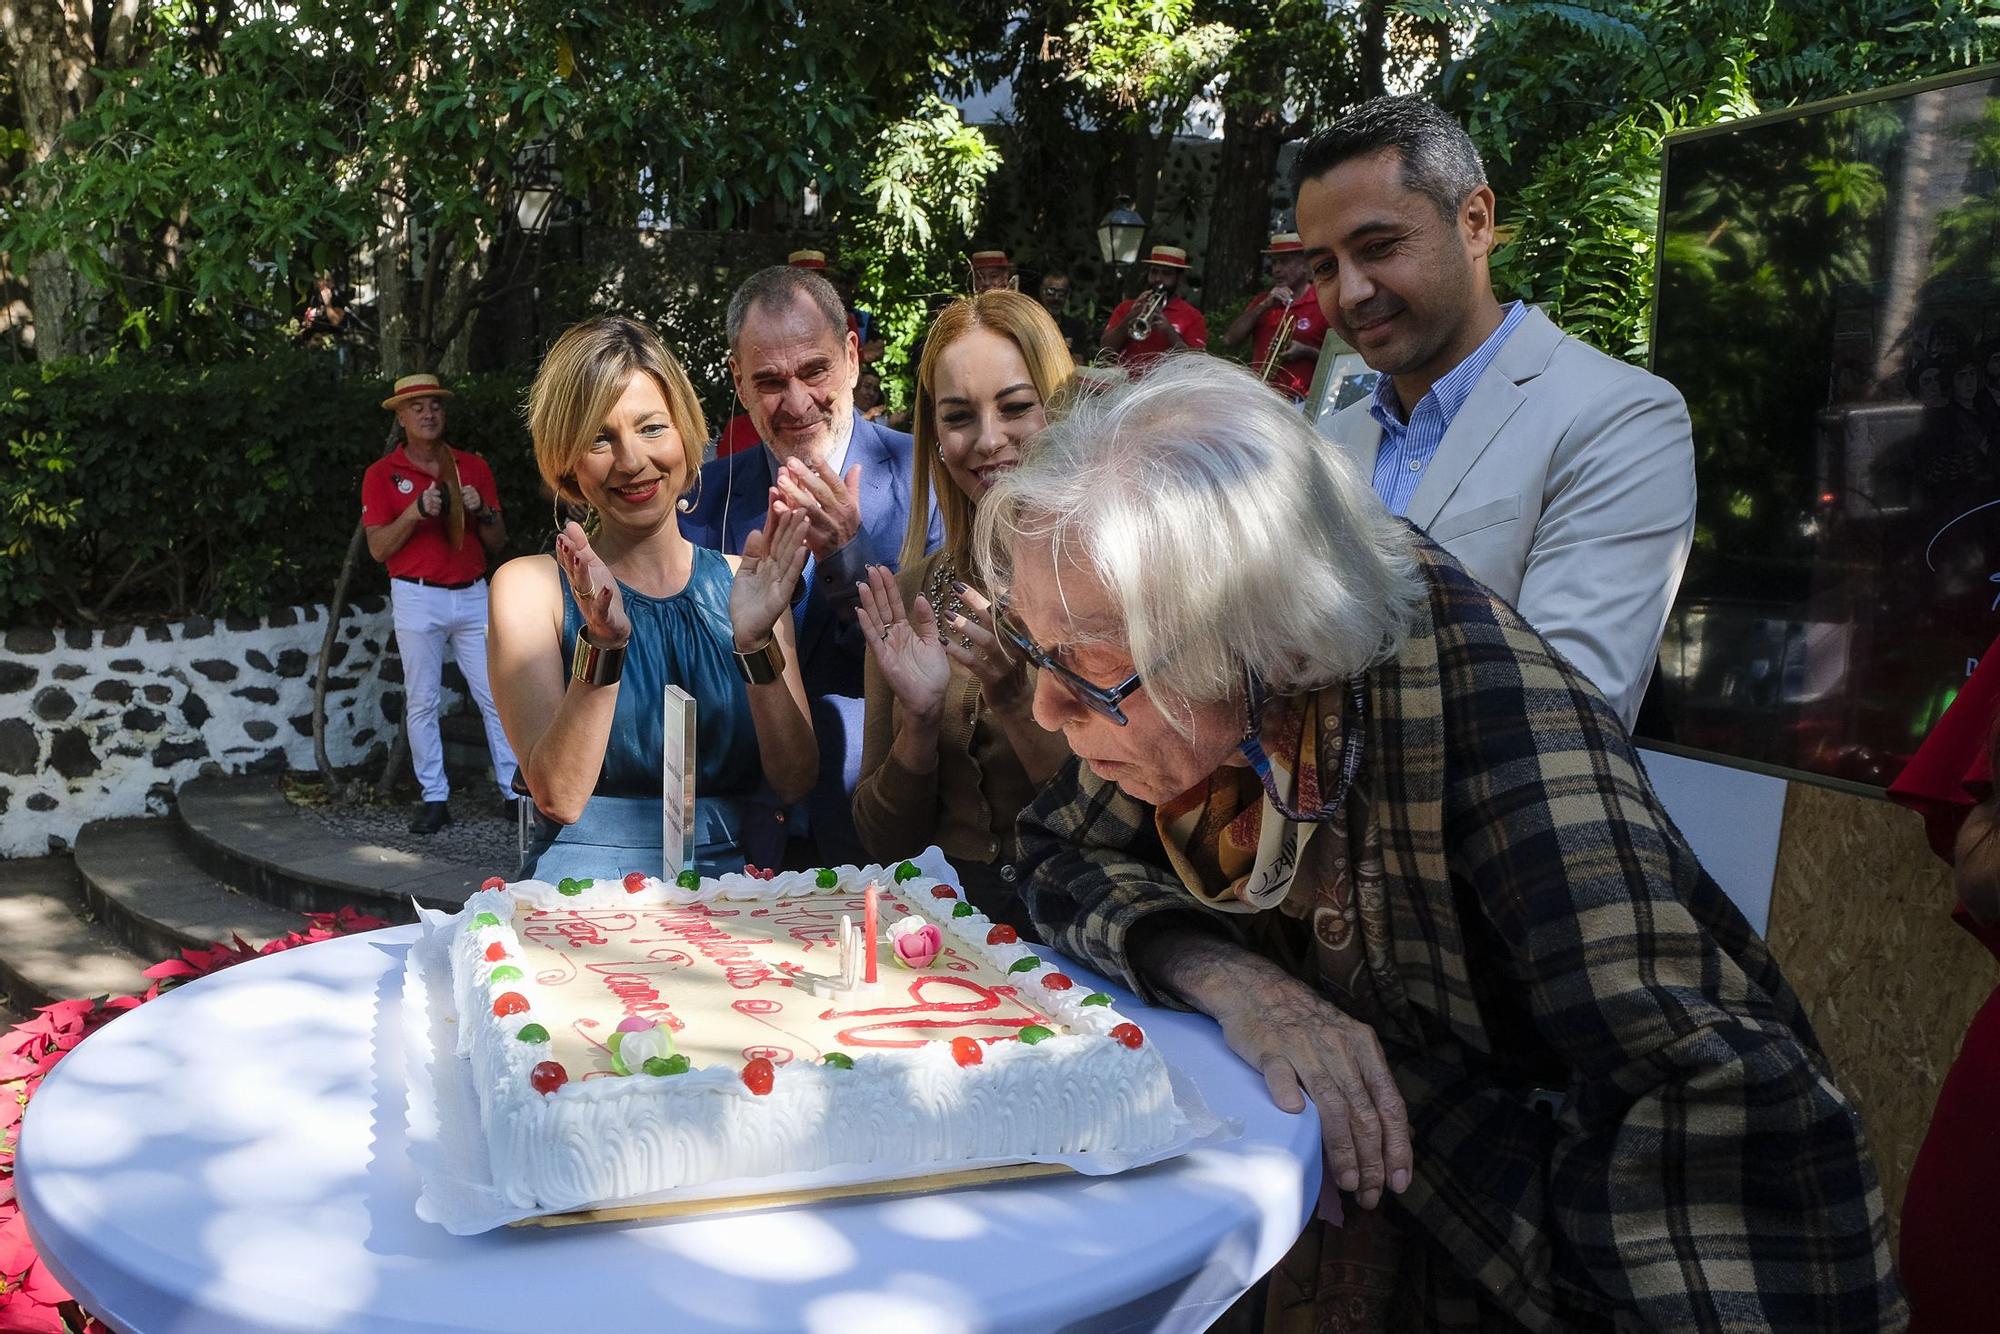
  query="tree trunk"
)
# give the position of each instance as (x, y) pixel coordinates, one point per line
(355, 546)
(1239, 217)
(392, 323)
(54, 48)
(1374, 47)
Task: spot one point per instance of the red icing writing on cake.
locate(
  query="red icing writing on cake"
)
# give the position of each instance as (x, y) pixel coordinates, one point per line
(691, 926)
(977, 1012)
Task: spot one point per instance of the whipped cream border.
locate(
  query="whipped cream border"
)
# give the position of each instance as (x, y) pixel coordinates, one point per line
(910, 1109)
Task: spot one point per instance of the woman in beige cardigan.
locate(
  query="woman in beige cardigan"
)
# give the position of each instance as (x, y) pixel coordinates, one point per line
(950, 754)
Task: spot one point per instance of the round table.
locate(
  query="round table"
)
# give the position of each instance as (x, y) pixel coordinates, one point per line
(233, 1157)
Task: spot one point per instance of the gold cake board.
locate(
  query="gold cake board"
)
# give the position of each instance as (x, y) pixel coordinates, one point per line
(784, 1199)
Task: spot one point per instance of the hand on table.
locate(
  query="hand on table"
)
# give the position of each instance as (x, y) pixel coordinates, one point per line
(605, 623)
(773, 558)
(907, 646)
(1307, 1047)
(831, 504)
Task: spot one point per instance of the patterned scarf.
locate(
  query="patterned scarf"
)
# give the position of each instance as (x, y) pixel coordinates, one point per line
(1235, 841)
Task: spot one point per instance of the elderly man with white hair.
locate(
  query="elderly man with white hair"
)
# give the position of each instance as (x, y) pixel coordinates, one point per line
(1338, 796)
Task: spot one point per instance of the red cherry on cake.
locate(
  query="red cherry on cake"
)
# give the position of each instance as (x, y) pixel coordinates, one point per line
(1130, 1035)
(1003, 935)
(493, 882)
(509, 1002)
(635, 881)
(1057, 982)
(757, 1075)
(943, 892)
(967, 1051)
(548, 1076)
(495, 952)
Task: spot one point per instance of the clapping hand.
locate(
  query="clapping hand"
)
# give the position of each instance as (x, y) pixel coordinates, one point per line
(1002, 675)
(906, 645)
(605, 623)
(773, 558)
(831, 503)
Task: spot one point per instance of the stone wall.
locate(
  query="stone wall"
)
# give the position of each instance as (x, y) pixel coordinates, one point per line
(101, 723)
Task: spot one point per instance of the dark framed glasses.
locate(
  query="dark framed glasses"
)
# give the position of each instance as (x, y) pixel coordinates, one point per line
(1098, 699)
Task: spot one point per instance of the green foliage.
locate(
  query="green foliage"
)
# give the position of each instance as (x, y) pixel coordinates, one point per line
(155, 489)
(1569, 103)
(924, 187)
(1145, 58)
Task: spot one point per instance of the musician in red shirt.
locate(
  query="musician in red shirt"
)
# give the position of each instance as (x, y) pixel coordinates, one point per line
(1290, 304)
(432, 515)
(1167, 323)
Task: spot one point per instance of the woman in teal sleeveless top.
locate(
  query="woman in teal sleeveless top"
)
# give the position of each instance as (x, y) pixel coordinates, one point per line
(584, 644)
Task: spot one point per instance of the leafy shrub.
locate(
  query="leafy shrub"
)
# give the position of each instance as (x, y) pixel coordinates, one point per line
(150, 490)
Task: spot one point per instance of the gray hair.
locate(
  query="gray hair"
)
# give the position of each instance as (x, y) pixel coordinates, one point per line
(1228, 532)
(1437, 155)
(779, 286)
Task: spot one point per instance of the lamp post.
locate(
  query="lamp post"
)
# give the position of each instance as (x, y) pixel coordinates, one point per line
(1119, 233)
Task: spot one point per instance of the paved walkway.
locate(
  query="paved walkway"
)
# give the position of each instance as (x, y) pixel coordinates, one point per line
(476, 832)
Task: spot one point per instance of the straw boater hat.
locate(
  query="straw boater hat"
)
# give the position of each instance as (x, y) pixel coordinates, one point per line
(1284, 243)
(415, 386)
(1167, 257)
(991, 259)
(807, 259)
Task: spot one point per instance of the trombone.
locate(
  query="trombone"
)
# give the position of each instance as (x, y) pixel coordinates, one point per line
(1150, 306)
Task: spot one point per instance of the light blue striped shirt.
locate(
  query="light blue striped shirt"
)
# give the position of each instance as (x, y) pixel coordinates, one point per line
(1406, 448)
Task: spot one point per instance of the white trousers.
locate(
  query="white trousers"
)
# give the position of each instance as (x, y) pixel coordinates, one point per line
(426, 618)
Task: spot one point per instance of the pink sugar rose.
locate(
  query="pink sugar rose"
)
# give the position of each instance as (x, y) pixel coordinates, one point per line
(916, 943)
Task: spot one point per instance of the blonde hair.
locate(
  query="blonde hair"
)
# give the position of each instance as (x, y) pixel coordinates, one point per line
(1033, 330)
(580, 381)
(1229, 534)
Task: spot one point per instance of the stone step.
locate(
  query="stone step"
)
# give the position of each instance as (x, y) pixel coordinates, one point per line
(140, 881)
(48, 951)
(242, 831)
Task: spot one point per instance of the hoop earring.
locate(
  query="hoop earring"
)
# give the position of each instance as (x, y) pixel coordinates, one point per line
(690, 499)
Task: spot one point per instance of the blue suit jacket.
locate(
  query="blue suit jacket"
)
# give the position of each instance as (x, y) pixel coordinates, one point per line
(734, 494)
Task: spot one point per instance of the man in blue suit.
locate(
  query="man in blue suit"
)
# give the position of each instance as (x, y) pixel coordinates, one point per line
(795, 363)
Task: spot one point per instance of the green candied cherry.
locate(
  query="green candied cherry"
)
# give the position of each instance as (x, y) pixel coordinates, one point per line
(1096, 998)
(907, 871)
(483, 919)
(570, 888)
(677, 1064)
(1027, 963)
(839, 1060)
(533, 1033)
(506, 972)
(826, 877)
(962, 909)
(688, 880)
(1033, 1033)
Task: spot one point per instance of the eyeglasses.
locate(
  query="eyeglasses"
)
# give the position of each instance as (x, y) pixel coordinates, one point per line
(1103, 700)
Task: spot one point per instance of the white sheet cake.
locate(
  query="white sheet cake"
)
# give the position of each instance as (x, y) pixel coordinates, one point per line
(633, 1037)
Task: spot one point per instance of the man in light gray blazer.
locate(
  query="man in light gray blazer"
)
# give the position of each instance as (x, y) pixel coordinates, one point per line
(1561, 477)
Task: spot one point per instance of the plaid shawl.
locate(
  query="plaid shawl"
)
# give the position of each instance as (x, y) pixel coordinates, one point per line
(1552, 930)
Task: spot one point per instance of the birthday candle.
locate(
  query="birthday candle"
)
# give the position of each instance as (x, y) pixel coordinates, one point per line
(868, 910)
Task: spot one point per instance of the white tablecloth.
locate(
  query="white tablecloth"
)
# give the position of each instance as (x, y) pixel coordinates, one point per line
(232, 1157)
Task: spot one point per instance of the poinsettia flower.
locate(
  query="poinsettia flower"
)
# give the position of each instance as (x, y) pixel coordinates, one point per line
(22, 1314)
(16, 1251)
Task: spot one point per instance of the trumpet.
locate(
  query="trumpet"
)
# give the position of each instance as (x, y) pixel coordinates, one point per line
(1276, 352)
(1147, 312)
